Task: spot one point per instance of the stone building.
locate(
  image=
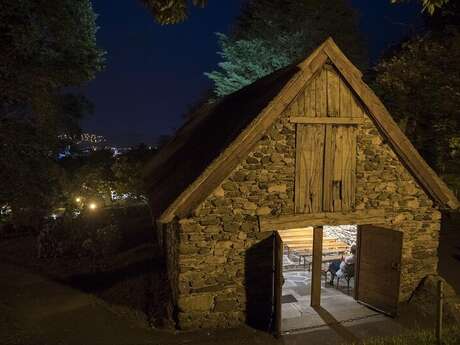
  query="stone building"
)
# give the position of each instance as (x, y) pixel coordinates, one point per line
(309, 145)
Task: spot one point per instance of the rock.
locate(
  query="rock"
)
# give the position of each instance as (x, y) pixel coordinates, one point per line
(226, 305)
(277, 188)
(219, 192)
(201, 302)
(424, 299)
(263, 211)
(242, 236)
(224, 245)
(249, 206)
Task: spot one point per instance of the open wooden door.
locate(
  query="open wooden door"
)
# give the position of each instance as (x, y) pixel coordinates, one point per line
(278, 281)
(379, 268)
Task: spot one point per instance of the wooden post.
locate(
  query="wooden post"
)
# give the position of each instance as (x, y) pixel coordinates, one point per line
(316, 267)
(439, 313)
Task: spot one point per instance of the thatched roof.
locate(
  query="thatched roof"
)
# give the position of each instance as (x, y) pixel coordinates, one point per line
(214, 141)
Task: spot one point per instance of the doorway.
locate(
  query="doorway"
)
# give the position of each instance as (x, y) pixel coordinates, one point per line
(308, 289)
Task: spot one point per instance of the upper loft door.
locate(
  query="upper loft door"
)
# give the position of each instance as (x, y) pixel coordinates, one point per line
(326, 114)
(379, 268)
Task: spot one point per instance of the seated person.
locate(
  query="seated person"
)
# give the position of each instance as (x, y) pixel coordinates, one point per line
(337, 268)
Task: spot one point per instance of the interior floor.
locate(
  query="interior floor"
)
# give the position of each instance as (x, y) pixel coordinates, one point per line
(337, 303)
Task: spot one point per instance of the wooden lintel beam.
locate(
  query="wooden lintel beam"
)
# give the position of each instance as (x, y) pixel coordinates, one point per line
(327, 120)
(360, 217)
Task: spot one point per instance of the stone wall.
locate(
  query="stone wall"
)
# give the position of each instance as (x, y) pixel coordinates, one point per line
(224, 263)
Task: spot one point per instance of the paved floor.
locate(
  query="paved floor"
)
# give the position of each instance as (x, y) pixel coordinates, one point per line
(337, 307)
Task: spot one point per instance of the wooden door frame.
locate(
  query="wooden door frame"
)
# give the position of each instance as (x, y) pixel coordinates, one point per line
(277, 283)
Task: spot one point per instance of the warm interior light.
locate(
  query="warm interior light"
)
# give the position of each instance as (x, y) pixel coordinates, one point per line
(92, 206)
(78, 199)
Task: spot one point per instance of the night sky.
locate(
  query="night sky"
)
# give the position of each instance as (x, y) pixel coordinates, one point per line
(155, 72)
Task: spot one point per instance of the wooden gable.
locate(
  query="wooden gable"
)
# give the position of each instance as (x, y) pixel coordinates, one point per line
(326, 114)
(336, 110)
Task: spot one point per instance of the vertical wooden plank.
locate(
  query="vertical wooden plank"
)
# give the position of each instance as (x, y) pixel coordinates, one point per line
(300, 99)
(347, 157)
(312, 92)
(354, 155)
(356, 110)
(321, 94)
(301, 178)
(278, 279)
(333, 93)
(328, 168)
(345, 100)
(309, 168)
(309, 112)
(337, 182)
(316, 267)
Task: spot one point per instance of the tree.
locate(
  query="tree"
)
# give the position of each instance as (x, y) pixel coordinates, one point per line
(420, 84)
(128, 171)
(175, 11)
(270, 34)
(47, 46)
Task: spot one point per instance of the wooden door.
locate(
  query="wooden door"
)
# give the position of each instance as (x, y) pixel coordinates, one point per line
(278, 281)
(327, 115)
(379, 268)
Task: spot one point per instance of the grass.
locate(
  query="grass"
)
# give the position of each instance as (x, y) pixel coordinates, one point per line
(450, 336)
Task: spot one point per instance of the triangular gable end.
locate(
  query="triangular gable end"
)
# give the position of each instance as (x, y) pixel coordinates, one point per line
(228, 160)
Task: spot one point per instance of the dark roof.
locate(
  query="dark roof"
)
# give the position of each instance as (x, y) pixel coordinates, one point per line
(206, 135)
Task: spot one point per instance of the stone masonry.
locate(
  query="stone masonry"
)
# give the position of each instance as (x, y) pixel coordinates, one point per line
(222, 256)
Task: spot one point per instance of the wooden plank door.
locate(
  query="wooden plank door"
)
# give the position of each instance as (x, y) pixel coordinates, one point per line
(339, 168)
(379, 268)
(309, 168)
(278, 281)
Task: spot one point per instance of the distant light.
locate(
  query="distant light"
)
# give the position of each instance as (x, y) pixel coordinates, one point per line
(54, 216)
(92, 206)
(78, 199)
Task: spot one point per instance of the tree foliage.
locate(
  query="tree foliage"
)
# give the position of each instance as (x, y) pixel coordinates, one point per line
(47, 46)
(421, 86)
(270, 34)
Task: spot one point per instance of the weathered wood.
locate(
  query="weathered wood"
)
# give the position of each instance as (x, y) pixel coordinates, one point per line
(309, 168)
(310, 109)
(316, 266)
(329, 144)
(321, 94)
(326, 120)
(370, 216)
(333, 93)
(348, 172)
(379, 251)
(356, 108)
(337, 170)
(345, 100)
(398, 141)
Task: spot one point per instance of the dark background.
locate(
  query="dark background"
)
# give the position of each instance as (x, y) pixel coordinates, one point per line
(155, 72)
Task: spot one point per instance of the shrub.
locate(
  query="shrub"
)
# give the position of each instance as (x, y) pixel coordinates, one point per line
(77, 237)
